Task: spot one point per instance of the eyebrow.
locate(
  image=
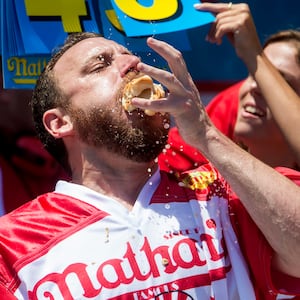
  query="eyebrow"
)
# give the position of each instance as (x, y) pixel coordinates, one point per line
(88, 61)
(92, 58)
(100, 51)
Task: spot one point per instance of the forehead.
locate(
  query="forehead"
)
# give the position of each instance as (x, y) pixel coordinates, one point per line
(85, 50)
(283, 55)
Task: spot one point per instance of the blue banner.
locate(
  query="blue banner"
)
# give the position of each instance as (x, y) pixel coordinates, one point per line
(31, 29)
(150, 17)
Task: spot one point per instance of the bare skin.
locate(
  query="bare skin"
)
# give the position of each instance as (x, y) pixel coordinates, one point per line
(122, 178)
(282, 103)
(107, 173)
(273, 82)
(268, 203)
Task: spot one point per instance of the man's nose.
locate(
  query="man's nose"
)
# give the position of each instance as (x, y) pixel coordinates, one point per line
(127, 63)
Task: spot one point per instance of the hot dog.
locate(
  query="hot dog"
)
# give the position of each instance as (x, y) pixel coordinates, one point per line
(142, 87)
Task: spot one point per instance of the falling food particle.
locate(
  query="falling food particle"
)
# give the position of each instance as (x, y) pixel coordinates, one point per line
(165, 261)
(107, 234)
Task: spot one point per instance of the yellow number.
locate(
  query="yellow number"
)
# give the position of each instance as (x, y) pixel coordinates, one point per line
(113, 19)
(159, 10)
(68, 10)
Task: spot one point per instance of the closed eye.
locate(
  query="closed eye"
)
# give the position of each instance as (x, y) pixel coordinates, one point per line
(103, 61)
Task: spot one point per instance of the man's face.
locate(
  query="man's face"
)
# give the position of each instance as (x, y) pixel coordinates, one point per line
(255, 121)
(92, 75)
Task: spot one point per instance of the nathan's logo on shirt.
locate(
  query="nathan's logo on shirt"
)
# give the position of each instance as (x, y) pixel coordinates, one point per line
(149, 266)
(199, 179)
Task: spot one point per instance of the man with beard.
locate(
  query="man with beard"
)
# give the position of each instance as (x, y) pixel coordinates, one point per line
(124, 230)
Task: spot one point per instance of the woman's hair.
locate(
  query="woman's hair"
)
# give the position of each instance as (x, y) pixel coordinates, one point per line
(47, 95)
(286, 36)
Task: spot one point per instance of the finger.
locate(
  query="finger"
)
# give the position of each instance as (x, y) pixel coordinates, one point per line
(212, 1)
(173, 100)
(227, 26)
(211, 35)
(160, 105)
(166, 78)
(173, 57)
(227, 23)
(214, 8)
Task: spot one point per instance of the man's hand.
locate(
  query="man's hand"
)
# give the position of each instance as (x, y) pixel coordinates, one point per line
(183, 99)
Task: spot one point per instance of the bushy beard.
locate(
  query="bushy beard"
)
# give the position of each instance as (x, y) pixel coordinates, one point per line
(140, 140)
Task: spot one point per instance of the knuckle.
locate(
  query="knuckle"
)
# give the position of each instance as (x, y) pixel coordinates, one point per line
(245, 7)
(177, 55)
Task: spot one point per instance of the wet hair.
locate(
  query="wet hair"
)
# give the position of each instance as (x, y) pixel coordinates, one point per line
(48, 95)
(286, 36)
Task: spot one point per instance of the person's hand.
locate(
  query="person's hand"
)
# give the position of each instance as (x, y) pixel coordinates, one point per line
(183, 99)
(234, 21)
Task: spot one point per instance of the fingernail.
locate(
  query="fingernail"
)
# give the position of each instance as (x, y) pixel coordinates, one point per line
(197, 5)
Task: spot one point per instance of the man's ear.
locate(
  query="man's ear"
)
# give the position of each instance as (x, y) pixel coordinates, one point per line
(57, 123)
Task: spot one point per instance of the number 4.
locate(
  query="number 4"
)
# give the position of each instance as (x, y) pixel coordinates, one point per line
(69, 11)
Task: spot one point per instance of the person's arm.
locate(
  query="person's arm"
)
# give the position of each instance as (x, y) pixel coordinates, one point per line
(272, 200)
(238, 25)
(282, 100)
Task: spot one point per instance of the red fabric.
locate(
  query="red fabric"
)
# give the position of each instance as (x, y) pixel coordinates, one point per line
(223, 113)
(6, 295)
(48, 214)
(180, 156)
(51, 217)
(290, 173)
(223, 109)
(258, 252)
(29, 172)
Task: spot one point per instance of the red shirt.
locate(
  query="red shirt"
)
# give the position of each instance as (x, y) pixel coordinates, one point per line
(192, 238)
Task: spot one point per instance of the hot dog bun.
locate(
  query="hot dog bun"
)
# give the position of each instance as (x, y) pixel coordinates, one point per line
(143, 87)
